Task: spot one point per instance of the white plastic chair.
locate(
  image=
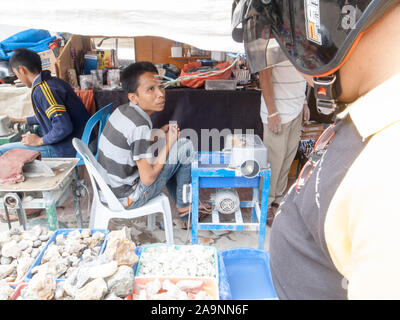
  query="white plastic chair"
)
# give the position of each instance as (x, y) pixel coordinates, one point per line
(100, 213)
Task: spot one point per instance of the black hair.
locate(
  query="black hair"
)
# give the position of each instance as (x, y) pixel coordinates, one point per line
(27, 58)
(131, 74)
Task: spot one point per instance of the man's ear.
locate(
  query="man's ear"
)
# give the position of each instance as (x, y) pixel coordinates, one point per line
(22, 70)
(133, 97)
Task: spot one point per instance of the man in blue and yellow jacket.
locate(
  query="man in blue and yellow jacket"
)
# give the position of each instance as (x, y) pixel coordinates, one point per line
(58, 110)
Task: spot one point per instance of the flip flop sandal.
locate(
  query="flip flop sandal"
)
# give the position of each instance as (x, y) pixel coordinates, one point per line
(201, 211)
(3, 217)
(30, 213)
(270, 217)
(275, 205)
(184, 220)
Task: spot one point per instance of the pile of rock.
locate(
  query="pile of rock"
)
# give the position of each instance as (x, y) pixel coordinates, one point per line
(173, 289)
(108, 276)
(68, 251)
(5, 290)
(18, 250)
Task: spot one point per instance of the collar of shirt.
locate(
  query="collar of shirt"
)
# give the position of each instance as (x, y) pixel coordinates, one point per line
(36, 80)
(377, 109)
(142, 113)
(44, 74)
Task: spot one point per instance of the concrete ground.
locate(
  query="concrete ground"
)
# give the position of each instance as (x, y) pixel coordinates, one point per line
(220, 239)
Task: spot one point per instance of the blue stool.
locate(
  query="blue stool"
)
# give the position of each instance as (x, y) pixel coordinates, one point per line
(210, 170)
(100, 117)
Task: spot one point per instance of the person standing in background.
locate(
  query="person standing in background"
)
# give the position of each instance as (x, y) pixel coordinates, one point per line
(283, 109)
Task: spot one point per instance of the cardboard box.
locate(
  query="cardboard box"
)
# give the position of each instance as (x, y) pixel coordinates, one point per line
(75, 47)
(48, 61)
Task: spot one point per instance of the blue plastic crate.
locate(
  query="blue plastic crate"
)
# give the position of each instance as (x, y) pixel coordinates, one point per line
(38, 259)
(248, 273)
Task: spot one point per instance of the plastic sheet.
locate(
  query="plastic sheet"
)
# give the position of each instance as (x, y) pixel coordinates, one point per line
(34, 39)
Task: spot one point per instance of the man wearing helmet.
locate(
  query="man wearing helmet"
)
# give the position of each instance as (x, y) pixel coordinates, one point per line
(335, 235)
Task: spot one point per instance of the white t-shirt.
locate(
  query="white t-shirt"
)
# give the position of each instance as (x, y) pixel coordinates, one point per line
(289, 91)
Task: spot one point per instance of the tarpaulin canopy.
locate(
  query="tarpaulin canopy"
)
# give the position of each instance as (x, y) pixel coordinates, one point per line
(36, 40)
(204, 24)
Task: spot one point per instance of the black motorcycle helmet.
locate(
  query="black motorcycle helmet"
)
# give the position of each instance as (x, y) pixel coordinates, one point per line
(317, 36)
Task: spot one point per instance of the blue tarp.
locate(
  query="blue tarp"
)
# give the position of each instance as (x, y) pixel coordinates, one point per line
(33, 39)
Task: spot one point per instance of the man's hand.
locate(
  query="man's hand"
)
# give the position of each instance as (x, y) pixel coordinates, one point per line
(165, 128)
(274, 124)
(33, 140)
(306, 114)
(172, 134)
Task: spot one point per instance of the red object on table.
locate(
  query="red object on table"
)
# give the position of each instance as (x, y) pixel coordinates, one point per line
(197, 82)
(11, 163)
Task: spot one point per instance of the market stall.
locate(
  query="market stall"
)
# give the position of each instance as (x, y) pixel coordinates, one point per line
(86, 264)
(200, 109)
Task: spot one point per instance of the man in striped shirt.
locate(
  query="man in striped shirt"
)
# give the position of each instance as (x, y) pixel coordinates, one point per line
(133, 163)
(58, 111)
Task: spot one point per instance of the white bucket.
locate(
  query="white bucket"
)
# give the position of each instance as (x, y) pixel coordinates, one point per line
(176, 51)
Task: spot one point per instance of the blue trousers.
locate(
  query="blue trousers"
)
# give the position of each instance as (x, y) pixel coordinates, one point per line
(175, 173)
(47, 151)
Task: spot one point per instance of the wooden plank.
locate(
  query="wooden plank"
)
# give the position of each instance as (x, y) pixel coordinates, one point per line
(144, 49)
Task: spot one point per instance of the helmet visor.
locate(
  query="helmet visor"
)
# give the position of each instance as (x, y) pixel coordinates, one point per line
(315, 35)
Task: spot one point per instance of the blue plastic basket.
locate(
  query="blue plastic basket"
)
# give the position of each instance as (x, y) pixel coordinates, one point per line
(39, 257)
(248, 273)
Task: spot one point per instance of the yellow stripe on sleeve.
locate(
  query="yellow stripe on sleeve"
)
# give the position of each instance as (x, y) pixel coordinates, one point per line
(50, 93)
(53, 109)
(46, 94)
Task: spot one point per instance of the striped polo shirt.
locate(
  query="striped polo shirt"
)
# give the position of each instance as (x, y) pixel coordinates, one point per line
(124, 140)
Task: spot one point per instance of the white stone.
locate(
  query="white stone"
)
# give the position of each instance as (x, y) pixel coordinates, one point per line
(86, 233)
(94, 290)
(76, 234)
(51, 253)
(122, 282)
(60, 240)
(37, 230)
(29, 235)
(7, 269)
(22, 267)
(42, 287)
(11, 249)
(103, 270)
(5, 290)
(4, 237)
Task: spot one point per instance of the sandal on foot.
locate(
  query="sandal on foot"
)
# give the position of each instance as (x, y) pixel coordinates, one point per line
(202, 210)
(30, 213)
(184, 220)
(270, 217)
